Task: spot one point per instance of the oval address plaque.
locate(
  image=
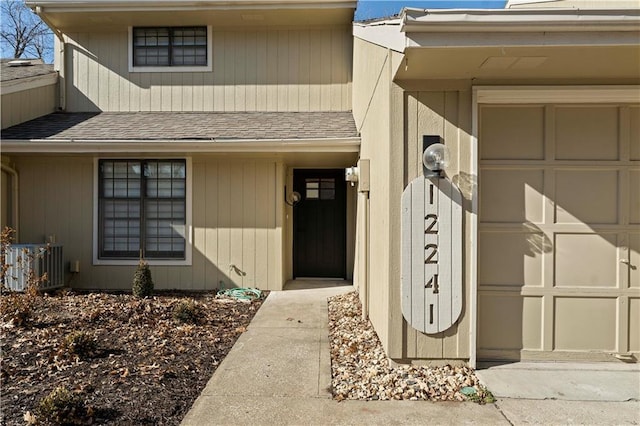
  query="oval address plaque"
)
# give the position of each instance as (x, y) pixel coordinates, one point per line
(431, 254)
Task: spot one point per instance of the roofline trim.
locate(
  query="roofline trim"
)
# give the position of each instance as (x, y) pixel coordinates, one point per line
(115, 146)
(173, 5)
(8, 87)
(556, 94)
(519, 20)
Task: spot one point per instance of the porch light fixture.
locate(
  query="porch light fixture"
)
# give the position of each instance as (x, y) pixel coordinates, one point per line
(293, 198)
(435, 158)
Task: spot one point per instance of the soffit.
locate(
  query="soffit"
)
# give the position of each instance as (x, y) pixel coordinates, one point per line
(537, 62)
(109, 19)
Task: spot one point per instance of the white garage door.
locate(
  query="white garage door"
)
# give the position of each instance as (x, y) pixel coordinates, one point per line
(559, 231)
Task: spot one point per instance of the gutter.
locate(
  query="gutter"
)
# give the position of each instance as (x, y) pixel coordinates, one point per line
(91, 146)
(15, 198)
(61, 82)
(177, 5)
(519, 20)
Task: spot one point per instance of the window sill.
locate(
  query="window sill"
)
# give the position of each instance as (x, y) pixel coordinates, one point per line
(134, 262)
(203, 68)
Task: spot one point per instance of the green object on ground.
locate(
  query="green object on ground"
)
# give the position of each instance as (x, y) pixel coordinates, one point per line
(242, 293)
(468, 390)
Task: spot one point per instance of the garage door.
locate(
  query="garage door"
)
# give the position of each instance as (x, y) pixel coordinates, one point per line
(559, 232)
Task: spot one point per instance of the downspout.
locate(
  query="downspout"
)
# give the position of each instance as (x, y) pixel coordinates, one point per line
(14, 195)
(365, 310)
(61, 72)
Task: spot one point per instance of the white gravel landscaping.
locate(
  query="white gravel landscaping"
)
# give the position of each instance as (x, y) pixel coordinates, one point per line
(361, 370)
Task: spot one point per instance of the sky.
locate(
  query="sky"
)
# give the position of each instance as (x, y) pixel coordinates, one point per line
(370, 9)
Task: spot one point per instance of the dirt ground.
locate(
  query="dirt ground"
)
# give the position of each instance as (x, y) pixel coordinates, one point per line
(147, 367)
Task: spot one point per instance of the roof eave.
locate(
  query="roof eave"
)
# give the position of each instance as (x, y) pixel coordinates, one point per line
(47, 146)
(20, 84)
(519, 20)
(171, 5)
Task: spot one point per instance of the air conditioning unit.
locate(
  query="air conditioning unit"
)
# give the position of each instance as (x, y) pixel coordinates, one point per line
(20, 259)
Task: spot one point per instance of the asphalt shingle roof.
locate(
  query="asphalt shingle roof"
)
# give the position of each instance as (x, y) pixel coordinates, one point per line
(186, 126)
(9, 73)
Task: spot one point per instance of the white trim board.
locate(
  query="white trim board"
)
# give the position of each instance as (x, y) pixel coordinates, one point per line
(181, 146)
(522, 95)
(57, 6)
(22, 84)
(556, 94)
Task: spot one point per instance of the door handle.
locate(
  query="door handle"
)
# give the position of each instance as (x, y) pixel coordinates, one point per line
(625, 261)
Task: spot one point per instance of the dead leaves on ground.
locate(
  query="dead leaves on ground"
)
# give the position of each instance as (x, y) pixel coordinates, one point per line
(146, 367)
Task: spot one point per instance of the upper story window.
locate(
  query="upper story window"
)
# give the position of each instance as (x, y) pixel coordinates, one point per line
(170, 49)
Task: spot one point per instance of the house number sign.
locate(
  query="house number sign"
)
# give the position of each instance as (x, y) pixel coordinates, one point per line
(431, 254)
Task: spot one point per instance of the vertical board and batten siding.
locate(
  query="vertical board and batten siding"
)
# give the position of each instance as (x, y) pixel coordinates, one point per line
(236, 221)
(6, 218)
(444, 113)
(26, 105)
(371, 113)
(253, 70)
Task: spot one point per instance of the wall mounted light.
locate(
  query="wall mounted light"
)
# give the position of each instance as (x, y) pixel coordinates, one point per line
(351, 174)
(435, 156)
(293, 198)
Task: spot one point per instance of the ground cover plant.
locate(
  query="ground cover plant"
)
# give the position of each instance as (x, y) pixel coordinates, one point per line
(99, 358)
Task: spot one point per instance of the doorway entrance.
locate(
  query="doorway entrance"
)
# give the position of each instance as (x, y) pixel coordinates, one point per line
(320, 224)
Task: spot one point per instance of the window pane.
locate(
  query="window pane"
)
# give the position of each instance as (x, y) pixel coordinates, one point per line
(327, 189)
(151, 46)
(165, 209)
(120, 226)
(127, 221)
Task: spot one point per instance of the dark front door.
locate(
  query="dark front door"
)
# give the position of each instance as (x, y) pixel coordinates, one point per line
(320, 224)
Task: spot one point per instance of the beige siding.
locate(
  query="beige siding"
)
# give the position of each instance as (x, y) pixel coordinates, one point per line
(392, 121)
(444, 113)
(5, 206)
(237, 220)
(28, 104)
(253, 70)
(371, 97)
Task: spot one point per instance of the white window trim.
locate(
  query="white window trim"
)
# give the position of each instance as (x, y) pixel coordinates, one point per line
(522, 95)
(198, 68)
(188, 248)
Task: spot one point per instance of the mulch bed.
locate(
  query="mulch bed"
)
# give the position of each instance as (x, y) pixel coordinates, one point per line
(147, 367)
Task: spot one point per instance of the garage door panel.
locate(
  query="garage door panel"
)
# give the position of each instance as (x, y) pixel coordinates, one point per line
(511, 259)
(586, 133)
(586, 196)
(634, 133)
(516, 320)
(634, 260)
(586, 260)
(585, 324)
(512, 196)
(634, 324)
(634, 196)
(512, 132)
(559, 235)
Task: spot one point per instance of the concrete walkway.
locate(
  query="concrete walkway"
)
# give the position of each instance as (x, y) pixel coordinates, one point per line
(279, 373)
